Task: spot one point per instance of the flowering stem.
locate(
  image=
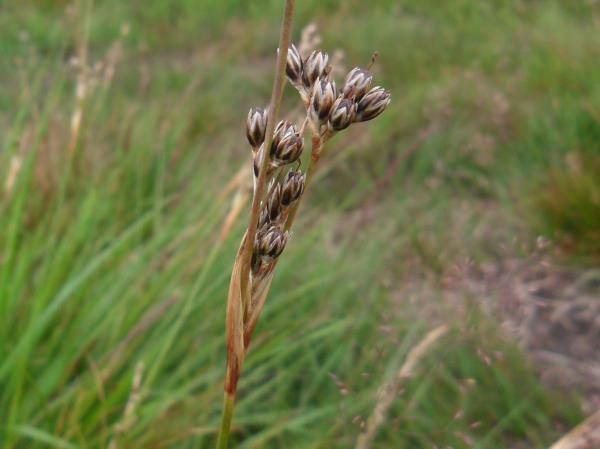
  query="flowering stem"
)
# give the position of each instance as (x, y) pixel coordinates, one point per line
(228, 405)
(240, 288)
(276, 96)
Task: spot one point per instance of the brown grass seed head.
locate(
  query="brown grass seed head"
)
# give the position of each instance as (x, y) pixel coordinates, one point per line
(314, 67)
(357, 84)
(342, 115)
(293, 188)
(256, 126)
(323, 97)
(372, 104)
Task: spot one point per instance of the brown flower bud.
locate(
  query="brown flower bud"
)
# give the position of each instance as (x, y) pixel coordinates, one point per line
(293, 68)
(323, 97)
(293, 187)
(256, 125)
(274, 204)
(263, 217)
(357, 84)
(270, 243)
(287, 151)
(372, 104)
(282, 129)
(314, 66)
(342, 114)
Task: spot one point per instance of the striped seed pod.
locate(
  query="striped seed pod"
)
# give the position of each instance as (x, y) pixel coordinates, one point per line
(357, 84)
(323, 97)
(282, 129)
(372, 104)
(274, 205)
(256, 125)
(293, 68)
(292, 188)
(314, 67)
(342, 115)
(287, 144)
(270, 243)
(288, 150)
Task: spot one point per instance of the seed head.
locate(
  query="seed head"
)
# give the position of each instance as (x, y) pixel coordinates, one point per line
(282, 129)
(323, 97)
(372, 104)
(256, 125)
(287, 144)
(293, 187)
(288, 150)
(357, 84)
(314, 67)
(342, 114)
(293, 68)
(270, 243)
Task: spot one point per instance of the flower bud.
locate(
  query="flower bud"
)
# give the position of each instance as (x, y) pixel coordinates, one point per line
(263, 217)
(314, 67)
(342, 114)
(357, 84)
(288, 150)
(274, 204)
(256, 125)
(293, 68)
(270, 243)
(282, 129)
(372, 104)
(293, 187)
(322, 100)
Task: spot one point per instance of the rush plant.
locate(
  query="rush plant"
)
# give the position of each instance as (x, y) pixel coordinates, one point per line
(280, 182)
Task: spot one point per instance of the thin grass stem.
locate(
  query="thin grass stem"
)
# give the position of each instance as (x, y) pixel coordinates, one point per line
(228, 406)
(276, 96)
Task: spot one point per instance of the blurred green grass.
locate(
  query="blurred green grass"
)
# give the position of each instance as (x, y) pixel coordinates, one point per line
(112, 259)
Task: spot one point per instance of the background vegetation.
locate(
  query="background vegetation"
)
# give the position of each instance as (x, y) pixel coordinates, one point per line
(112, 264)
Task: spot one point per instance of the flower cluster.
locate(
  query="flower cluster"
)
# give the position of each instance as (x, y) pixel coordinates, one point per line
(330, 111)
(284, 189)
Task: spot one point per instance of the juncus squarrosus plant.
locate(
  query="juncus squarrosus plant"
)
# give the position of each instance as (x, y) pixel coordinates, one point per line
(280, 182)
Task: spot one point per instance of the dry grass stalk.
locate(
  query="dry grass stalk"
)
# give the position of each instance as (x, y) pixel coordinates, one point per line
(388, 391)
(584, 436)
(13, 171)
(278, 188)
(89, 76)
(128, 419)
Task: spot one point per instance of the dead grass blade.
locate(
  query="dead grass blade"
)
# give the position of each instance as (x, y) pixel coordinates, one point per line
(388, 391)
(585, 436)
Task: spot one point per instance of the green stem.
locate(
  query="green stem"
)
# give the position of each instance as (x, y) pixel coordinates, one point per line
(228, 404)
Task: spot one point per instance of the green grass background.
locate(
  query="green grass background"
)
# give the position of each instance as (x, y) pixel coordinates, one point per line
(112, 259)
